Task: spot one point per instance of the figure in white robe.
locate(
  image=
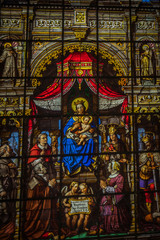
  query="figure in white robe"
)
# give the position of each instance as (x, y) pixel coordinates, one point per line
(9, 58)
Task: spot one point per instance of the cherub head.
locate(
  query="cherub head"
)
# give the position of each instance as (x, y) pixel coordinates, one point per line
(74, 187)
(83, 187)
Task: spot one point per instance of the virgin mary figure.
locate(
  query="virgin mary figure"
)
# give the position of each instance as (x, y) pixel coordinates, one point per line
(78, 155)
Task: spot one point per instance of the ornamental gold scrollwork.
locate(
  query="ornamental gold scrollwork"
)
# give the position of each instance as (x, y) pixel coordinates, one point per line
(4, 121)
(1, 113)
(52, 23)
(37, 45)
(144, 109)
(28, 112)
(149, 110)
(15, 113)
(146, 25)
(105, 24)
(139, 119)
(154, 109)
(2, 101)
(20, 113)
(136, 110)
(129, 110)
(149, 99)
(35, 83)
(47, 60)
(17, 123)
(80, 35)
(11, 122)
(149, 117)
(8, 23)
(11, 113)
(123, 82)
(9, 101)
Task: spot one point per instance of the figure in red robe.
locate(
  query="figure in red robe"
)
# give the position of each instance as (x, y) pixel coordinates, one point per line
(114, 209)
(41, 215)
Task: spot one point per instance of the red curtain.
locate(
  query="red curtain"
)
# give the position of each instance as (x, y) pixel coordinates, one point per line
(54, 91)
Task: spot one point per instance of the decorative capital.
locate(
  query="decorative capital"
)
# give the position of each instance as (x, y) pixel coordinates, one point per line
(80, 34)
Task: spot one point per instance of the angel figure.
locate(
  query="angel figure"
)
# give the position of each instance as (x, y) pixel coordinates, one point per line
(84, 217)
(70, 220)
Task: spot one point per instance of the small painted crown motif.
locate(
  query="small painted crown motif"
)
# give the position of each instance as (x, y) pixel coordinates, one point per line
(79, 102)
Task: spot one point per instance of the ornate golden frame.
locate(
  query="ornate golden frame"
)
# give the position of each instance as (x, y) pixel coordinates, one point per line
(38, 72)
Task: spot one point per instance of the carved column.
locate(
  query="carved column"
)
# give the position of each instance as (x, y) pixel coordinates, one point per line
(27, 26)
(158, 53)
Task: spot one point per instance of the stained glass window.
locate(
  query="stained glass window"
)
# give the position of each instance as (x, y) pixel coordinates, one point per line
(79, 119)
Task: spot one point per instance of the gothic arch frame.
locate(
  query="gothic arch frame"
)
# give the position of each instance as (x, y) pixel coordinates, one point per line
(109, 51)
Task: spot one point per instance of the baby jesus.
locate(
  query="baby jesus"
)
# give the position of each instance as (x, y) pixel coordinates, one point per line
(84, 133)
(83, 129)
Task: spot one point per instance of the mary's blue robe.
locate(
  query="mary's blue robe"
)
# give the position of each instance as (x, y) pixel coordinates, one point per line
(74, 162)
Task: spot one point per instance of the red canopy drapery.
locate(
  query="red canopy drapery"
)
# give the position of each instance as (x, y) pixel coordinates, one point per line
(78, 64)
